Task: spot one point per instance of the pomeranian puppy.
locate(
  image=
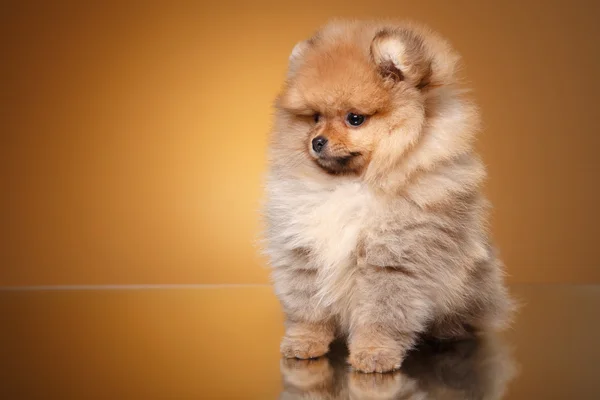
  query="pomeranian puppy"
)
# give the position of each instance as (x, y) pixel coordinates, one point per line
(375, 223)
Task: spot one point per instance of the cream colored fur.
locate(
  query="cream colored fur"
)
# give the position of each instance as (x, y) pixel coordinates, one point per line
(392, 244)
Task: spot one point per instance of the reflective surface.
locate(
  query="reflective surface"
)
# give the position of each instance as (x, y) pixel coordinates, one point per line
(222, 343)
(474, 369)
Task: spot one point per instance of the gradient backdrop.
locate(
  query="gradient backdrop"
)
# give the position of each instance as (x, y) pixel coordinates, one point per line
(134, 135)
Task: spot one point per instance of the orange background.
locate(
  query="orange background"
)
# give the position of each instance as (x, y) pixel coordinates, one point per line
(134, 135)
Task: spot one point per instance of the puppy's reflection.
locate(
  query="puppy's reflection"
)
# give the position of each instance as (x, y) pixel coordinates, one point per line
(474, 369)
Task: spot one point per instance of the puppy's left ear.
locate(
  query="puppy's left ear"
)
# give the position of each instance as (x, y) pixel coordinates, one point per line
(400, 57)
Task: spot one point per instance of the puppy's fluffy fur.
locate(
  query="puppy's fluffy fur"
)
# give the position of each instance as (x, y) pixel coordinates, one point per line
(380, 236)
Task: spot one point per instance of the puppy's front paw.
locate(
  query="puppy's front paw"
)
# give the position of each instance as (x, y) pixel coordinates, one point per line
(303, 347)
(375, 359)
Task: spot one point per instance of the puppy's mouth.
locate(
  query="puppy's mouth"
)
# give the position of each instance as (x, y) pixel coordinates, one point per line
(338, 164)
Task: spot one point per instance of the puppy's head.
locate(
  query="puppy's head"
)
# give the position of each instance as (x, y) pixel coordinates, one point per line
(355, 97)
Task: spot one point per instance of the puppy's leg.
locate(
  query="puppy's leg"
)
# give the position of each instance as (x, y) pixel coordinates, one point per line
(305, 339)
(451, 327)
(390, 312)
(309, 326)
(484, 305)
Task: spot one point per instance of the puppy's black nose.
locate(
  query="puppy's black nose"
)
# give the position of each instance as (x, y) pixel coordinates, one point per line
(318, 143)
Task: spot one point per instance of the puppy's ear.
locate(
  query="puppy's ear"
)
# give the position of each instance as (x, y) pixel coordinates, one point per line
(298, 50)
(297, 56)
(400, 56)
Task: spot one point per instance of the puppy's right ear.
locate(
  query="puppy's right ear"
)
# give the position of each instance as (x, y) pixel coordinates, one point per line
(297, 55)
(400, 56)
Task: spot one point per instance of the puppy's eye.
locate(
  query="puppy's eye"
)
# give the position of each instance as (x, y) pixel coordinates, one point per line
(355, 119)
(316, 117)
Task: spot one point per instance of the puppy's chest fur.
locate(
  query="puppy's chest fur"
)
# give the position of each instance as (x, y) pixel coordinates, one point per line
(323, 227)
